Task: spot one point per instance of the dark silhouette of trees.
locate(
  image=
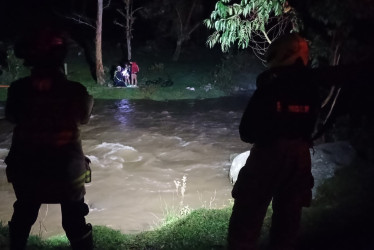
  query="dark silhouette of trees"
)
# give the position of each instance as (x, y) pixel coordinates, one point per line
(175, 20)
(81, 16)
(127, 14)
(185, 24)
(340, 31)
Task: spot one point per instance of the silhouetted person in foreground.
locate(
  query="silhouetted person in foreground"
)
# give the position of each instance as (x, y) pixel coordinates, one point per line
(46, 163)
(279, 120)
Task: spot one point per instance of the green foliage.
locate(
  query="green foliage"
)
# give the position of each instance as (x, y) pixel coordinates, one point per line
(235, 23)
(201, 229)
(153, 92)
(3, 93)
(338, 27)
(14, 70)
(3, 235)
(231, 65)
(109, 239)
(103, 92)
(223, 76)
(149, 90)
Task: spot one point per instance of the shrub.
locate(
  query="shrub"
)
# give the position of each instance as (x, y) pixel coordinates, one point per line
(14, 69)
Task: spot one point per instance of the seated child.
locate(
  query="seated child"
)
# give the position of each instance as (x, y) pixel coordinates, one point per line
(118, 78)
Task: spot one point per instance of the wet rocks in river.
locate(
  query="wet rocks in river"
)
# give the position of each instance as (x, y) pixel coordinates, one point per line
(326, 158)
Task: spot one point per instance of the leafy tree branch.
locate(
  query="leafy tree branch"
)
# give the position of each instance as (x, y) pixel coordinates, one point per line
(248, 24)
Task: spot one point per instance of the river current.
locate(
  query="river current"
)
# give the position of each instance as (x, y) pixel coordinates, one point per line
(149, 159)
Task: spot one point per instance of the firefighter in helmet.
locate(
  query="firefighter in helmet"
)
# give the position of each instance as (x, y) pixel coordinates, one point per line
(46, 163)
(279, 121)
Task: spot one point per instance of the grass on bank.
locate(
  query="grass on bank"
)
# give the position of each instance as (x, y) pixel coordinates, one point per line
(340, 218)
(175, 92)
(152, 92)
(207, 76)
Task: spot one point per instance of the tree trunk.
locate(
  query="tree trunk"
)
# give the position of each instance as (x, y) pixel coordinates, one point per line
(178, 49)
(128, 28)
(99, 59)
(185, 30)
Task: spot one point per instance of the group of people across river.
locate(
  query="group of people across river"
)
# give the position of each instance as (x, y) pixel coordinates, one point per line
(126, 76)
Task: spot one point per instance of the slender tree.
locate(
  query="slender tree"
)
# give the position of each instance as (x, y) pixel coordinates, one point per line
(95, 24)
(174, 20)
(185, 27)
(129, 18)
(99, 55)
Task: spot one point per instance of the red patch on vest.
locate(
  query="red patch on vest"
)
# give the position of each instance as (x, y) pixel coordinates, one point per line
(293, 108)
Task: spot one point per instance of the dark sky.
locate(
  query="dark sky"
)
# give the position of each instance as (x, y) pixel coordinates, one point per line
(19, 15)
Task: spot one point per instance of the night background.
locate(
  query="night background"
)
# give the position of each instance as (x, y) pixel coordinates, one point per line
(155, 22)
(209, 89)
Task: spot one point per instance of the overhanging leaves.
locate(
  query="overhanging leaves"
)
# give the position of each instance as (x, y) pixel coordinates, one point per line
(234, 23)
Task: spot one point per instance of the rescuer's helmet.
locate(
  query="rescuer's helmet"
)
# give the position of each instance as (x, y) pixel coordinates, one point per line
(286, 50)
(44, 47)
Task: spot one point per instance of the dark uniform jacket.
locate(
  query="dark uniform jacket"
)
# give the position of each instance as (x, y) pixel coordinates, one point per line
(284, 105)
(118, 79)
(279, 120)
(46, 162)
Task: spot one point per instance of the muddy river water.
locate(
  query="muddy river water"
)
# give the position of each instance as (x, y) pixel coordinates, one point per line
(148, 159)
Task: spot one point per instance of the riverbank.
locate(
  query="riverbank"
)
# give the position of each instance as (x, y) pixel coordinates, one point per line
(202, 73)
